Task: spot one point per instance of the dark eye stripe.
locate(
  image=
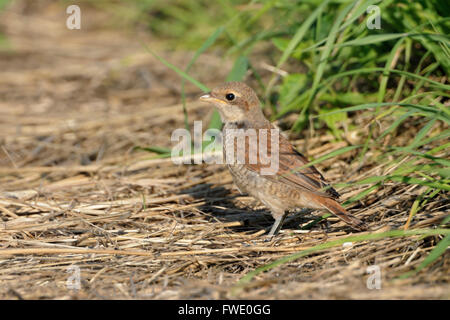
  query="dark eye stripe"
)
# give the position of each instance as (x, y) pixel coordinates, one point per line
(229, 96)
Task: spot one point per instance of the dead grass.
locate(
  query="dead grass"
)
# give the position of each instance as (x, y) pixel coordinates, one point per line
(72, 191)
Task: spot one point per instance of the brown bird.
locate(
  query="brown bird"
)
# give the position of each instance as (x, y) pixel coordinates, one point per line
(289, 187)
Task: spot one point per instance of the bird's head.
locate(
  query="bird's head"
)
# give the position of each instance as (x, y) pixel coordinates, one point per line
(235, 101)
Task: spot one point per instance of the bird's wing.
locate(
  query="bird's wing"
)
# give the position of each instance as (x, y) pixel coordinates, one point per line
(291, 169)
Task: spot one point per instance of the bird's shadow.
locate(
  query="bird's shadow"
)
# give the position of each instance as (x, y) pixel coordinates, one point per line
(221, 205)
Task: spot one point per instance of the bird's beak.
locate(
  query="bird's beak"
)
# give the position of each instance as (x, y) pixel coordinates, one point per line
(205, 97)
(209, 98)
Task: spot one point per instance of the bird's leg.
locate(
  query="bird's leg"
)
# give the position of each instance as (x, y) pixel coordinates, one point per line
(277, 225)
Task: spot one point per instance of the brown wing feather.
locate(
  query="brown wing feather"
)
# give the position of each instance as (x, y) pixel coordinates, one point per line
(291, 172)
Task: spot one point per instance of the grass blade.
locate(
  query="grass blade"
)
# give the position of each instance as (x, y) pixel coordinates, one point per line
(329, 244)
(180, 72)
(437, 251)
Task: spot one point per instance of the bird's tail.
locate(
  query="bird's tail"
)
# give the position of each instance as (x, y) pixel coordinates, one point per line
(342, 214)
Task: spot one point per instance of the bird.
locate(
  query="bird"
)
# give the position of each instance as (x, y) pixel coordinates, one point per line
(294, 184)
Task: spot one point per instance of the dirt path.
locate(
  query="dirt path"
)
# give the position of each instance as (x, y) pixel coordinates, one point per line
(74, 196)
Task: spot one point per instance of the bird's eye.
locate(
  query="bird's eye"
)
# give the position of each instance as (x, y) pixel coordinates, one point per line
(229, 96)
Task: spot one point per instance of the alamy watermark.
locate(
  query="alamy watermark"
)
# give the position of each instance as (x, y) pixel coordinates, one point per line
(74, 20)
(374, 19)
(73, 282)
(374, 280)
(243, 146)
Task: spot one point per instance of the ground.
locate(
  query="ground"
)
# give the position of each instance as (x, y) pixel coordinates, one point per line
(75, 196)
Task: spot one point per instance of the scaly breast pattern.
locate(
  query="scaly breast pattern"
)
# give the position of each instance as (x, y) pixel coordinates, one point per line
(277, 196)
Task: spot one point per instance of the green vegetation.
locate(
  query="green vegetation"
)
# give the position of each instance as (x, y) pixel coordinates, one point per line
(3, 39)
(437, 251)
(394, 75)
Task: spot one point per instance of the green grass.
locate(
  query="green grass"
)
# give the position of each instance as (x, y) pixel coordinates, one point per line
(340, 52)
(3, 3)
(3, 39)
(434, 254)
